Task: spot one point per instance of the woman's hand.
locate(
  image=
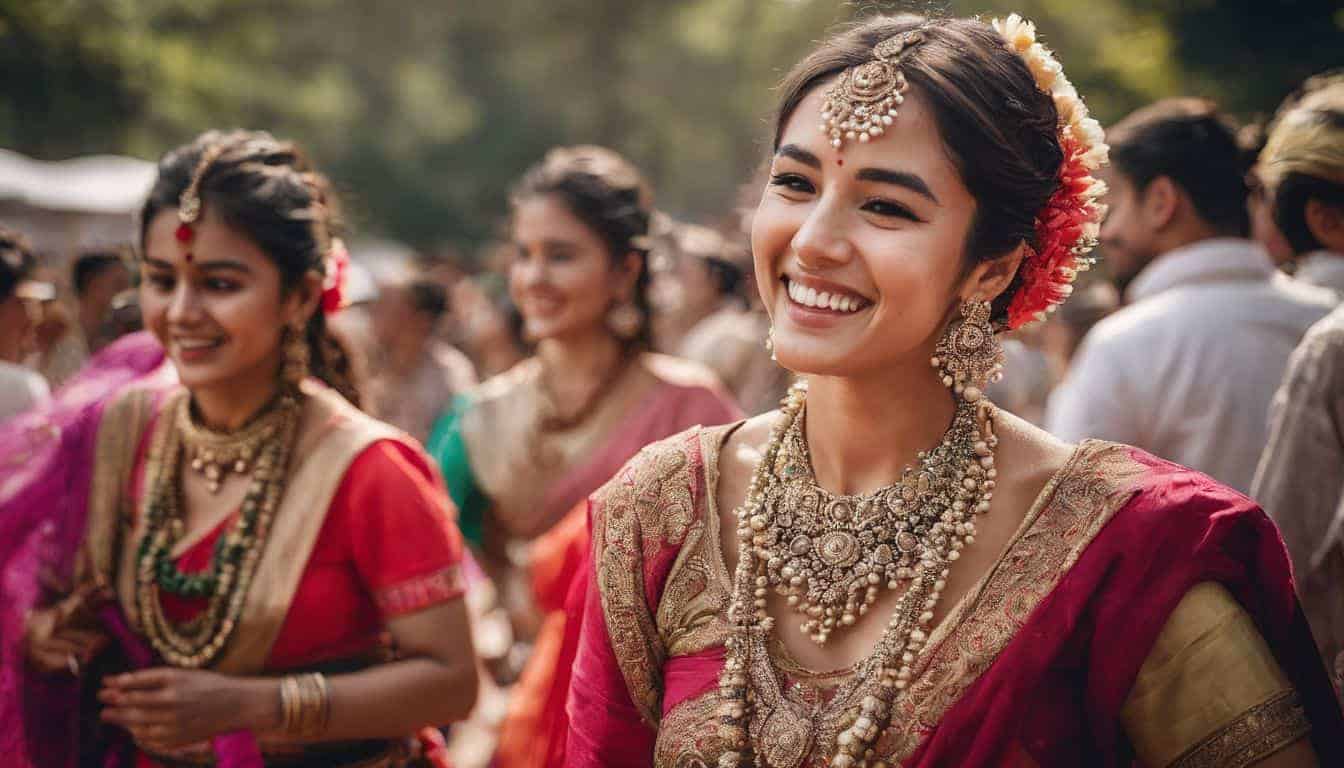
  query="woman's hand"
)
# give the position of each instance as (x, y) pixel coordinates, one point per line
(167, 708)
(63, 637)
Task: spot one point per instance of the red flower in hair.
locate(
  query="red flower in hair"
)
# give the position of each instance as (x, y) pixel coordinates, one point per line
(1066, 229)
(333, 283)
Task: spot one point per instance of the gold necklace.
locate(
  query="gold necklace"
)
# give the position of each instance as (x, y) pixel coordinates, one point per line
(757, 717)
(213, 454)
(831, 555)
(198, 642)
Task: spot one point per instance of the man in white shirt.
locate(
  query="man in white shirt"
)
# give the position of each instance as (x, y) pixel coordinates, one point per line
(20, 388)
(1188, 369)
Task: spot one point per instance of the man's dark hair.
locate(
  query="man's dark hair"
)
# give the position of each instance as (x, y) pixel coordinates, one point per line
(1191, 143)
(90, 264)
(16, 261)
(428, 297)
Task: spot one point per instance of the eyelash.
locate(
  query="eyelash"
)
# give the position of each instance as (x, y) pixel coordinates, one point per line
(164, 283)
(896, 209)
(791, 181)
(796, 183)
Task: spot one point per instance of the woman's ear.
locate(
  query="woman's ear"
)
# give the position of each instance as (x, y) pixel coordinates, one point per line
(627, 275)
(988, 279)
(304, 299)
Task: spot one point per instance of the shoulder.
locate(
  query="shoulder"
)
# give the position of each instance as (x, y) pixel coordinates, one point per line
(656, 494)
(509, 383)
(338, 437)
(1326, 336)
(679, 372)
(1165, 499)
(1308, 295)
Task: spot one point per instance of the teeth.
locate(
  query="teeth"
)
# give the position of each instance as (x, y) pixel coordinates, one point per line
(194, 344)
(809, 297)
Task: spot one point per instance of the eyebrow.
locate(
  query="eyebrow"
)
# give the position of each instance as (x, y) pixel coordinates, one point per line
(214, 265)
(910, 181)
(795, 152)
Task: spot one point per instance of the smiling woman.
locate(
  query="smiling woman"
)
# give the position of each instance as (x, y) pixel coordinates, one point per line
(286, 589)
(890, 570)
(521, 453)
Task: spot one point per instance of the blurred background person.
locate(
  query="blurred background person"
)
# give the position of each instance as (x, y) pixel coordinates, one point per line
(1188, 368)
(487, 325)
(704, 311)
(413, 373)
(69, 332)
(1301, 173)
(522, 452)
(21, 388)
(97, 278)
(1091, 302)
(1300, 479)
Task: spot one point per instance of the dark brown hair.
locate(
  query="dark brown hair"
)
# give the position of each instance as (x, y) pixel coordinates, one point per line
(266, 190)
(16, 261)
(607, 193)
(999, 128)
(1191, 143)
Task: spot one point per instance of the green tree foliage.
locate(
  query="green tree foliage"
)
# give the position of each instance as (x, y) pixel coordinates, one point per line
(425, 112)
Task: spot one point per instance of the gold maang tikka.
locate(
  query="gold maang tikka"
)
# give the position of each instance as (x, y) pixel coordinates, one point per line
(862, 103)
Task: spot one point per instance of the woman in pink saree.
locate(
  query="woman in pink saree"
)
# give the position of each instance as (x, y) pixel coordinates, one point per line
(522, 452)
(890, 570)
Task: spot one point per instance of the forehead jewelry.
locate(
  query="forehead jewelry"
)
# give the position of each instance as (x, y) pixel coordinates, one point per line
(862, 103)
(189, 204)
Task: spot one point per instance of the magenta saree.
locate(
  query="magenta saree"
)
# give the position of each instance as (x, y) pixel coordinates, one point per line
(1033, 667)
(46, 470)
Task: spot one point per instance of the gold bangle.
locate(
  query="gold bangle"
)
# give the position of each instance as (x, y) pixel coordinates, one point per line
(324, 712)
(295, 704)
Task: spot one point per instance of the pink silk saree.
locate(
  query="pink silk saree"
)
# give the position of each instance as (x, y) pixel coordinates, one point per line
(534, 732)
(1031, 669)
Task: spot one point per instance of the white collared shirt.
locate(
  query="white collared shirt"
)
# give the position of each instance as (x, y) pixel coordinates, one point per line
(21, 388)
(1323, 268)
(1188, 369)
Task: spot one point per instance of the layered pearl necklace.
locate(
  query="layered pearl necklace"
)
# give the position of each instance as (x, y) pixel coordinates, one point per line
(831, 555)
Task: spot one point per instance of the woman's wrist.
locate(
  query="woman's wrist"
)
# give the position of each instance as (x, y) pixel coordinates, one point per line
(259, 711)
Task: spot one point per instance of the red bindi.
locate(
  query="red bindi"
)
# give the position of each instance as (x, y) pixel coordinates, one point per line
(184, 233)
(840, 161)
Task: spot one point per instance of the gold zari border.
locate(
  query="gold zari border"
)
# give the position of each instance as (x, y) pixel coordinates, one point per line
(1255, 735)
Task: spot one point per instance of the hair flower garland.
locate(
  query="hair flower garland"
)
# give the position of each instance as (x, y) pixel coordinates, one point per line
(1068, 227)
(336, 265)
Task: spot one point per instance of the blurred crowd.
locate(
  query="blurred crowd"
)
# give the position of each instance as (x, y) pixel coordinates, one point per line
(1209, 334)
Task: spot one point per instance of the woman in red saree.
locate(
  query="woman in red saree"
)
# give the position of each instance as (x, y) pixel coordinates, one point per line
(521, 451)
(265, 575)
(853, 582)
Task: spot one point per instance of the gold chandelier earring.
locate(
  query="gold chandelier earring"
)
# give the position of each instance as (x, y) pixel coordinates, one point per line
(968, 355)
(294, 367)
(625, 320)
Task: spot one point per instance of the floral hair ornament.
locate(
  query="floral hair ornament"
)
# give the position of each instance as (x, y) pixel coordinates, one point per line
(189, 204)
(1068, 227)
(863, 100)
(334, 270)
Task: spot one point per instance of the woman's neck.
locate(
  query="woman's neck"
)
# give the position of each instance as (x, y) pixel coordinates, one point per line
(230, 405)
(863, 431)
(581, 356)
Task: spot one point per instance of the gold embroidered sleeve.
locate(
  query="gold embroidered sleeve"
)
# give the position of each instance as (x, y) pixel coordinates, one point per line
(1210, 692)
(645, 508)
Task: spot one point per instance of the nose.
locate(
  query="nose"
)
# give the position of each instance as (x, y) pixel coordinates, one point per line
(530, 271)
(822, 241)
(184, 307)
